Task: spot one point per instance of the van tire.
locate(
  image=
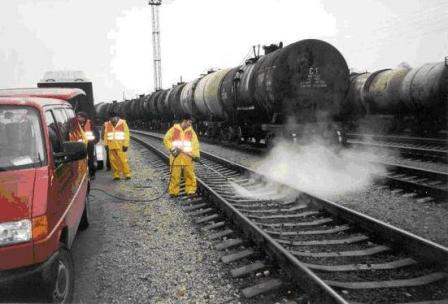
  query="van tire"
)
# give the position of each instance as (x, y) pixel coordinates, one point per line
(59, 278)
(84, 223)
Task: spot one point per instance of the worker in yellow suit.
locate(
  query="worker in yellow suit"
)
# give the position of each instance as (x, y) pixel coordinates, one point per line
(182, 143)
(116, 141)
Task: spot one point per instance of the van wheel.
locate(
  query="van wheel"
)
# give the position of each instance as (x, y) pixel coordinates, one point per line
(59, 279)
(84, 224)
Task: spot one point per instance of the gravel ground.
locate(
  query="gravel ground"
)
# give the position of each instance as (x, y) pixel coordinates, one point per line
(146, 252)
(428, 220)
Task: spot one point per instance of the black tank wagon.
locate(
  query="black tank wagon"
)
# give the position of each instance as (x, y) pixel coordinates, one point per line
(413, 100)
(292, 90)
(302, 83)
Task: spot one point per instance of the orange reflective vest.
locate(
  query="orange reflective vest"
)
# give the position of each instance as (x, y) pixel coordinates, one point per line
(88, 130)
(116, 137)
(182, 142)
(185, 140)
(76, 133)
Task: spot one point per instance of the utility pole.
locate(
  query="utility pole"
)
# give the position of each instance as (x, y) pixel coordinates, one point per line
(156, 43)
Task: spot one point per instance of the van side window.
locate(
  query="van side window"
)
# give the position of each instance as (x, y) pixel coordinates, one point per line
(63, 123)
(53, 132)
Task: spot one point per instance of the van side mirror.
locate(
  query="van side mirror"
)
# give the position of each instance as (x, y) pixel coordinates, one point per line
(72, 151)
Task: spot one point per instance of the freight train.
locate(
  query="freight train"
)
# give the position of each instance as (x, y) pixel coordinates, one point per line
(295, 90)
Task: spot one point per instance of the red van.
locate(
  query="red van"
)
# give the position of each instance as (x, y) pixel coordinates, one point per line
(44, 188)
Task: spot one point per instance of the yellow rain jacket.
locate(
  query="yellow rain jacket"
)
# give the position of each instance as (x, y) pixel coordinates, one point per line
(187, 142)
(116, 138)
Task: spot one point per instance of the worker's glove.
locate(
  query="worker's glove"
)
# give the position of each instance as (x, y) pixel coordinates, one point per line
(175, 151)
(125, 149)
(195, 158)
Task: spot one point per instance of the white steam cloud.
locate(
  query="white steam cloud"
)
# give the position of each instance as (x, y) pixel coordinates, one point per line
(265, 191)
(319, 169)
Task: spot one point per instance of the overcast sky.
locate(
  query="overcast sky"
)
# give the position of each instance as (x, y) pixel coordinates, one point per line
(110, 40)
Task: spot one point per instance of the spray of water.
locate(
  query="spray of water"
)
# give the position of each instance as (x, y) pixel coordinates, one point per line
(318, 169)
(264, 191)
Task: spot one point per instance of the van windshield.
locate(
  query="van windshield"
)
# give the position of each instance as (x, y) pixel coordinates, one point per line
(21, 140)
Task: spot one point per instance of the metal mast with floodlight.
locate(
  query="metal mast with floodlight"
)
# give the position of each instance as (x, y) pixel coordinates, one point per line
(156, 43)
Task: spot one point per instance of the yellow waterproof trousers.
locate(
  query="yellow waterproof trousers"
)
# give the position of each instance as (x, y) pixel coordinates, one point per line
(189, 176)
(119, 163)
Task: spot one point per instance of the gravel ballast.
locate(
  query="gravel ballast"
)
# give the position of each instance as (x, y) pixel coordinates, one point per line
(146, 252)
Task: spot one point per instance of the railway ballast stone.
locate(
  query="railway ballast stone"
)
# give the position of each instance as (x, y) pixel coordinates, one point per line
(146, 252)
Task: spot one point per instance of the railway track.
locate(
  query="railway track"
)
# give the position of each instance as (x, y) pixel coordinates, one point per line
(431, 149)
(335, 254)
(428, 185)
